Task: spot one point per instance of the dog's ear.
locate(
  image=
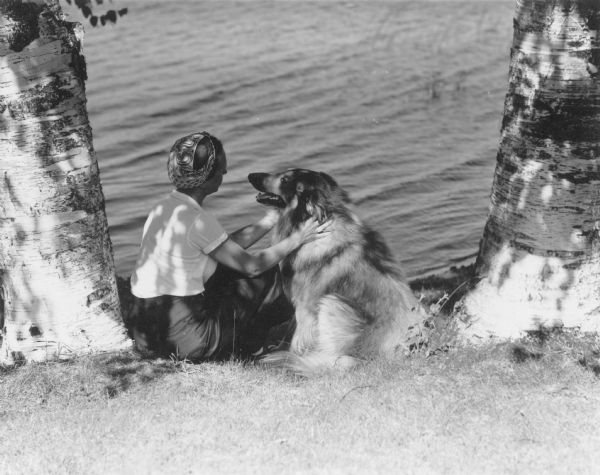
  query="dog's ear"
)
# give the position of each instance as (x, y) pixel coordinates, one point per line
(317, 202)
(329, 180)
(315, 196)
(337, 192)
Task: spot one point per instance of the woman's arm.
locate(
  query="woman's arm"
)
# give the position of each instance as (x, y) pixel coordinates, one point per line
(232, 255)
(250, 234)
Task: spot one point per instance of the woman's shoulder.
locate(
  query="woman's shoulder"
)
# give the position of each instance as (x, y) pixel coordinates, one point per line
(206, 231)
(204, 217)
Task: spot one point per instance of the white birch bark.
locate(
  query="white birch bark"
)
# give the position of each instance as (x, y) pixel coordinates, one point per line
(539, 259)
(58, 294)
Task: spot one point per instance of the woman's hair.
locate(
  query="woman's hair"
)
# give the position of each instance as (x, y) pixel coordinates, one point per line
(192, 159)
(201, 155)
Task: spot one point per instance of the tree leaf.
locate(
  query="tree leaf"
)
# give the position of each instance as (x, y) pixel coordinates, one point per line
(111, 15)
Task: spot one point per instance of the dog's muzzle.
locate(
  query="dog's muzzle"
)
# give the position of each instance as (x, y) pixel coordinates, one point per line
(260, 181)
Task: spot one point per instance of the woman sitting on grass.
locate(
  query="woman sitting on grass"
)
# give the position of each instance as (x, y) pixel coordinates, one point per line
(197, 293)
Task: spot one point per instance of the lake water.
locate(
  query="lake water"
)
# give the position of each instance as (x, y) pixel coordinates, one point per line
(400, 101)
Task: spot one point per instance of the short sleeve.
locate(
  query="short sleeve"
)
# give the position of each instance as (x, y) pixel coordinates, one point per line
(207, 233)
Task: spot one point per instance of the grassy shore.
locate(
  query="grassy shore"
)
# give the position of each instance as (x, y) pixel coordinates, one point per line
(531, 407)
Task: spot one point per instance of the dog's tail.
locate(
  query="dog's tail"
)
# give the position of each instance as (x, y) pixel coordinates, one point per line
(308, 364)
(339, 327)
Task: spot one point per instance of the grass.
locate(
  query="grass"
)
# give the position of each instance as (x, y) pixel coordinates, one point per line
(499, 408)
(531, 406)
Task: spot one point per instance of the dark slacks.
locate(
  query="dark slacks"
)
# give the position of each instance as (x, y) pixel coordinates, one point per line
(232, 317)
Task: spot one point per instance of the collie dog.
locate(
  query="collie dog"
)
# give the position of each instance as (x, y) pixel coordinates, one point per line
(351, 300)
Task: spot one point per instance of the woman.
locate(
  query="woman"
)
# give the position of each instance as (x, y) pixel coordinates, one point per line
(198, 294)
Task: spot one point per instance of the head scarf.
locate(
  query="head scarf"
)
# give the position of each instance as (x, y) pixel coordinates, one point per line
(183, 172)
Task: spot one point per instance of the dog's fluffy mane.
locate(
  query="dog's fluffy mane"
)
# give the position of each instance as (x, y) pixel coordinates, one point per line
(322, 198)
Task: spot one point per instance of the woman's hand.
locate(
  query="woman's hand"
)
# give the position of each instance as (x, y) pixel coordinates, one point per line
(232, 255)
(310, 230)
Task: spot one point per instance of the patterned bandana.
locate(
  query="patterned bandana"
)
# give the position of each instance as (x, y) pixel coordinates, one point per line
(183, 172)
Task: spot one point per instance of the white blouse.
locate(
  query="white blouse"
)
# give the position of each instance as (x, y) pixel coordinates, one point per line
(173, 259)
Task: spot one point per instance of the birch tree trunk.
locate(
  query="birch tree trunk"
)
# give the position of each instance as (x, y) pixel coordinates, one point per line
(539, 258)
(58, 294)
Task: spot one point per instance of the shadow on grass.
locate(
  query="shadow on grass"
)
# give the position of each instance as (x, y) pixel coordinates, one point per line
(569, 344)
(125, 371)
(99, 375)
(440, 293)
(85, 378)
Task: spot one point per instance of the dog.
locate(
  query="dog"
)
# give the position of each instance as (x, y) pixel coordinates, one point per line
(350, 297)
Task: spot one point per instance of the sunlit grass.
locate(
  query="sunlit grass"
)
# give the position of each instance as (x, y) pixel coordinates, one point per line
(531, 407)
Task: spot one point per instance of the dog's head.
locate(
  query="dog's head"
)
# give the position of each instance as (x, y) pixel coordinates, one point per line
(306, 193)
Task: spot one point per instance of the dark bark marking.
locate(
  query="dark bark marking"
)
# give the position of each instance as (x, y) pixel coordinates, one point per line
(580, 177)
(40, 99)
(97, 295)
(35, 331)
(590, 11)
(26, 29)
